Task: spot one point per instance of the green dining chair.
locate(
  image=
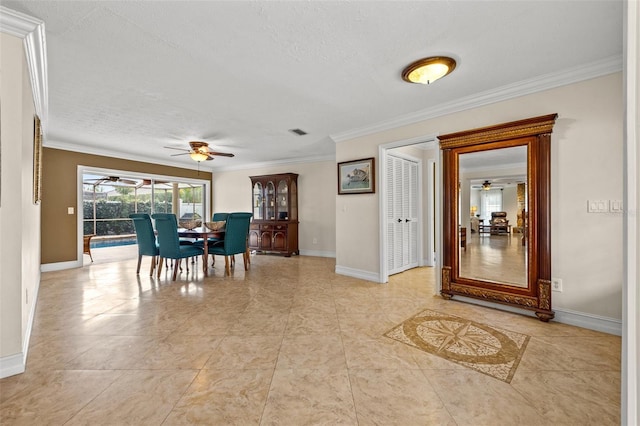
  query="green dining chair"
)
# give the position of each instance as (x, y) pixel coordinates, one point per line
(235, 239)
(169, 243)
(217, 217)
(146, 239)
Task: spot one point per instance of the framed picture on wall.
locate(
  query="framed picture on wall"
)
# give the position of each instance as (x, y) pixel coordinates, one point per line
(37, 160)
(357, 177)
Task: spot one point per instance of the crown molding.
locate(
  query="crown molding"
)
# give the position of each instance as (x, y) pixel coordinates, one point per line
(66, 146)
(264, 164)
(17, 24)
(595, 69)
(31, 31)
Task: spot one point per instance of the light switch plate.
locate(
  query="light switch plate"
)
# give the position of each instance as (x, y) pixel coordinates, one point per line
(615, 206)
(597, 206)
(70, 210)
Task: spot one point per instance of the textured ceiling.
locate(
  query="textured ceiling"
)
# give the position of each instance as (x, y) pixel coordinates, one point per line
(129, 78)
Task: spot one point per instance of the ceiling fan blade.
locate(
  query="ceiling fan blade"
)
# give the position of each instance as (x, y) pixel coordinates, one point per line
(183, 153)
(209, 158)
(93, 181)
(179, 149)
(221, 154)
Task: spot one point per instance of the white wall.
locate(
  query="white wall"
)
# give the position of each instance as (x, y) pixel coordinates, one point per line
(586, 163)
(19, 217)
(631, 296)
(317, 186)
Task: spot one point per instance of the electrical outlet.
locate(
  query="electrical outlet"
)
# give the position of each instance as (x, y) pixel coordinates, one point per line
(556, 284)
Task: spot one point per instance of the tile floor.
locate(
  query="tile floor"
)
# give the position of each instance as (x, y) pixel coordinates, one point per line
(286, 343)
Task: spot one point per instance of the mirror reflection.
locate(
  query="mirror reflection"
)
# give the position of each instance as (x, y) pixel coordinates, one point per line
(492, 215)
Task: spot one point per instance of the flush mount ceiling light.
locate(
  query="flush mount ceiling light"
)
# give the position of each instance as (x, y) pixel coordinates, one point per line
(428, 70)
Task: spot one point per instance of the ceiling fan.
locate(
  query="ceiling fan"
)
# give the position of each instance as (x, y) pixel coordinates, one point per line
(111, 179)
(200, 151)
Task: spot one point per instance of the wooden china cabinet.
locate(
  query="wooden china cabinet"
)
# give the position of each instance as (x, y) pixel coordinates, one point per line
(274, 201)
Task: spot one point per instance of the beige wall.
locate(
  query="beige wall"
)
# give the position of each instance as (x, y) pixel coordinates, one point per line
(60, 190)
(317, 187)
(586, 162)
(19, 217)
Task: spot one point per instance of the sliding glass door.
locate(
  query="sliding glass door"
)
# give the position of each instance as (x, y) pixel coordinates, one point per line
(108, 200)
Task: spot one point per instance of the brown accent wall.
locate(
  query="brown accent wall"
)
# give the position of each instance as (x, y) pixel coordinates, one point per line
(59, 191)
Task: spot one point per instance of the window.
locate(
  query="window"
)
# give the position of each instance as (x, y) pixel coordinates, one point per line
(109, 200)
(491, 201)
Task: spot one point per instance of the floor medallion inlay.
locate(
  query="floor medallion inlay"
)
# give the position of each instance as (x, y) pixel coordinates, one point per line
(490, 350)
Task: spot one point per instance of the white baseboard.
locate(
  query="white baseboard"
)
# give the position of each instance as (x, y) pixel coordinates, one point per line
(318, 253)
(16, 364)
(564, 316)
(590, 321)
(357, 273)
(12, 365)
(59, 266)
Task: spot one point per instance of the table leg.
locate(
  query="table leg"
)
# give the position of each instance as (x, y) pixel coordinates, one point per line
(205, 257)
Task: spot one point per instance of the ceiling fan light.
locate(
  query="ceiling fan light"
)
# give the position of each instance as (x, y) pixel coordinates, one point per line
(486, 185)
(198, 156)
(428, 70)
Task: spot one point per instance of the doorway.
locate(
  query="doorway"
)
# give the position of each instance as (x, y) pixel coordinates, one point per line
(424, 151)
(403, 206)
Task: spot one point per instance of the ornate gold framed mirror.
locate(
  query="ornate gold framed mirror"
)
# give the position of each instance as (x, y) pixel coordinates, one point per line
(496, 214)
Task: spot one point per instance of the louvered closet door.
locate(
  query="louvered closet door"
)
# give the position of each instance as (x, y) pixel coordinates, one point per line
(402, 214)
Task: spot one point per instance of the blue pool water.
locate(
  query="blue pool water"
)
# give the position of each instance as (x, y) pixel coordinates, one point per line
(112, 243)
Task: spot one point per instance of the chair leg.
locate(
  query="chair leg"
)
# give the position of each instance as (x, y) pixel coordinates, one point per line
(153, 265)
(160, 266)
(245, 257)
(139, 261)
(175, 270)
(226, 265)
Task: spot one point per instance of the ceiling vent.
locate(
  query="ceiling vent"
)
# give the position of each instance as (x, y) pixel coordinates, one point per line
(298, 132)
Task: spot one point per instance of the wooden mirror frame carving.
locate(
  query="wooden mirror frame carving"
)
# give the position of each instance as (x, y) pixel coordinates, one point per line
(535, 133)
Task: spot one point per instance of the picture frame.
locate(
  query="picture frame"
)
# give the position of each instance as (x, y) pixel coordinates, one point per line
(357, 177)
(37, 160)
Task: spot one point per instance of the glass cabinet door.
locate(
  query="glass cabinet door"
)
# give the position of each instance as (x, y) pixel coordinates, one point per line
(258, 201)
(283, 200)
(293, 208)
(270, 205)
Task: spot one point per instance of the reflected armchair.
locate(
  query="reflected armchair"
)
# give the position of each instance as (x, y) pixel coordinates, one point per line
(146, 239)
(235, 239)
(499, 223)
(169, 243)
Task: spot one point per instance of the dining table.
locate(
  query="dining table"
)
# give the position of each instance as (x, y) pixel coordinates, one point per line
(204, 233)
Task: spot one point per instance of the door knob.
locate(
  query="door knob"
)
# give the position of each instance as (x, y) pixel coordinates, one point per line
(399, 220)
(407, 220)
